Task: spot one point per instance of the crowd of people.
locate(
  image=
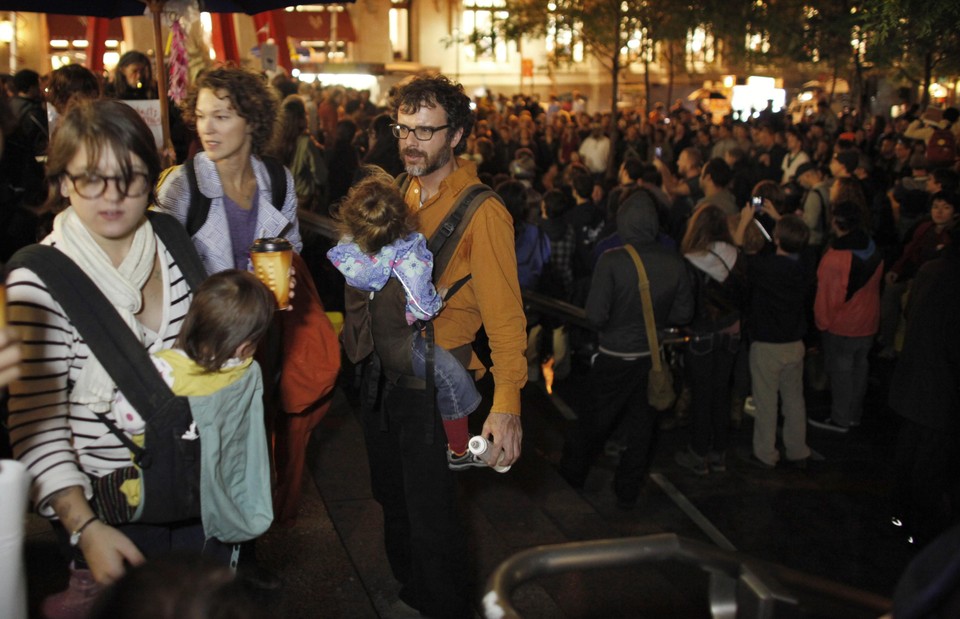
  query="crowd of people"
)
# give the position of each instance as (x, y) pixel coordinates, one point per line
(801, 239)
(763, 242)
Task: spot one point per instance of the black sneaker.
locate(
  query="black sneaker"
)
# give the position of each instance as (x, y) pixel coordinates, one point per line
(717, 461)
(693, 462)
(800, 464)
(754, 461)
(464, 461)
(827, 424)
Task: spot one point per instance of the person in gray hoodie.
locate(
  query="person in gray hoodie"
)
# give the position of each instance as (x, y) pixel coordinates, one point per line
(619, 376)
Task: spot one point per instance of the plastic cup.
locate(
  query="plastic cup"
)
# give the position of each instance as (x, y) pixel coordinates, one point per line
(271, 259)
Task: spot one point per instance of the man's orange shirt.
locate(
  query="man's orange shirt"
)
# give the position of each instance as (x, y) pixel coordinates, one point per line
(492, 296)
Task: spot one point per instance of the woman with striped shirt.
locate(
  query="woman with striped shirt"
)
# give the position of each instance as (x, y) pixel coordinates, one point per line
(102, 165)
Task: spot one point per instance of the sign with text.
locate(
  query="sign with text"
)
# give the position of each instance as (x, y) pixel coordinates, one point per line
(149, 111)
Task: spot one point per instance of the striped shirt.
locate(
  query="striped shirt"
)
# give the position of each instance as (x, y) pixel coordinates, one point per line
(61, 443)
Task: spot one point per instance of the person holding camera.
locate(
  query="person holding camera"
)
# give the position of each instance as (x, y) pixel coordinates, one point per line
(779, 280)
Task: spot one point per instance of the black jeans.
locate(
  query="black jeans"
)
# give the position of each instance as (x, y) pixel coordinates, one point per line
(619, 392)
(424, 539)
(710, 363)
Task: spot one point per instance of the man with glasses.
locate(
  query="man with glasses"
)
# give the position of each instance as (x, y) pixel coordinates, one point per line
(424, 537)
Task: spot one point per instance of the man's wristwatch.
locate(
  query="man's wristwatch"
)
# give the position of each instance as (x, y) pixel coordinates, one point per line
(75, 536)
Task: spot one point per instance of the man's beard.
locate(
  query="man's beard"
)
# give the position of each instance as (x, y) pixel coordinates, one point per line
(427, 166)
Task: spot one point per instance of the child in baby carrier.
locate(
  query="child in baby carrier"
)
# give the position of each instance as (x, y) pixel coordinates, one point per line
(230, 313)
(379, 241)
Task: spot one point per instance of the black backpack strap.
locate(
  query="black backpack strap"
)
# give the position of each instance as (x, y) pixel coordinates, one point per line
(278, 180)
(115, 347)
(199, 207)
(199, 204)
(452, 228)
(178, 243)
(403, 182)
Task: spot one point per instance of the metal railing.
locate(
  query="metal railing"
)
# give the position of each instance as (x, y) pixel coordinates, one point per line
(740, 586)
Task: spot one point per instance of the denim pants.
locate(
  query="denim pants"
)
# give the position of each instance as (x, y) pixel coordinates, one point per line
(457, 395)
(847, 366)
(424, 538)
(710, 363)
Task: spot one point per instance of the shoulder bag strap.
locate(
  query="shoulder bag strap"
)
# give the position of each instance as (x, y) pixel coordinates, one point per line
(121, 354)
(178, 243)
(722, 261)
(647, 302)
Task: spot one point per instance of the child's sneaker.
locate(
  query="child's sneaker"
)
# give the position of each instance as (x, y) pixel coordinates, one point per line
(464, 461)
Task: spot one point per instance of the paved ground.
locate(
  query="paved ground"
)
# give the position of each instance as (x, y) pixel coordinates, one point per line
(826, 521)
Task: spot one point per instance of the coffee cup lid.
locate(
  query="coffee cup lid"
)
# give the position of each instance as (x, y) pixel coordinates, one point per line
(271, 244)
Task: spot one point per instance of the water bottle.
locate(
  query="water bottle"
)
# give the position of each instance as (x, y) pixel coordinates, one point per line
(478, 446)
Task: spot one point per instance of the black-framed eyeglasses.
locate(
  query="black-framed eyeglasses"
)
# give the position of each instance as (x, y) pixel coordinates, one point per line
(421, 133)
(92, 186)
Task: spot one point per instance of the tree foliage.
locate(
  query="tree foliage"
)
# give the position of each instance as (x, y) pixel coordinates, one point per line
(920, 40)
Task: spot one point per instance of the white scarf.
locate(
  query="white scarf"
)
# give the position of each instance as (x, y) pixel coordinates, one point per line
(122, 286)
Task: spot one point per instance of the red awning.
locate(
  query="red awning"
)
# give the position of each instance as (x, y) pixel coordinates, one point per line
(315, 25)
(74, 27)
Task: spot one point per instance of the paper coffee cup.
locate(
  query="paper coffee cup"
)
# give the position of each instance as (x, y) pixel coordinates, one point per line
(271, 259)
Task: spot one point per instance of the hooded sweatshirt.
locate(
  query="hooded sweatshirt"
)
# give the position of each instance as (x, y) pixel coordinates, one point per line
(720, 287)
(614, 304)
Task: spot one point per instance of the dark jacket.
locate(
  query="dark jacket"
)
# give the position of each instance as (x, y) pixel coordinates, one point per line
(31, 130)
(779, 290)
(614, 305)
(926, 383)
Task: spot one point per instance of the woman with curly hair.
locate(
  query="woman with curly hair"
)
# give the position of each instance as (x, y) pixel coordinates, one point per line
(235, 114)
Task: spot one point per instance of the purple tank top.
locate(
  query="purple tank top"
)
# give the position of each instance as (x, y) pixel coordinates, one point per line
(243, 229)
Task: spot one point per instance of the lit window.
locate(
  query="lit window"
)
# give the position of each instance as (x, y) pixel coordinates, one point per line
(478, 20)
(563, 44)
(400, 29)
